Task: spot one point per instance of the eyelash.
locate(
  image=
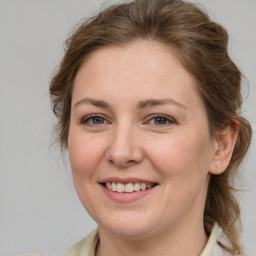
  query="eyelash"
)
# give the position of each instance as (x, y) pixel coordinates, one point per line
(86, 120)
(164, 117)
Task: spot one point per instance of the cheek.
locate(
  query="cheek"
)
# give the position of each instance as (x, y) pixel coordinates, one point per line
(85, 156)
(85, 153)
(183, 163)
(180, 156)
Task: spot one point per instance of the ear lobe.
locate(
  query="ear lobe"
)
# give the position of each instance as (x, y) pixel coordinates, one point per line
(224, 146)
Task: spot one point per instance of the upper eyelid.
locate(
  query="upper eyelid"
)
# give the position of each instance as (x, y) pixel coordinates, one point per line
(163, 116)
(148, 118)
(87, 117)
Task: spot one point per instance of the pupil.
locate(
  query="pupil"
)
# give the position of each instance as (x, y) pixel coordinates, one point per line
(98, 120)
(160, 120)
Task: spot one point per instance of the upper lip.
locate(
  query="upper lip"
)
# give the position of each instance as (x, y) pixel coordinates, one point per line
(126, 180)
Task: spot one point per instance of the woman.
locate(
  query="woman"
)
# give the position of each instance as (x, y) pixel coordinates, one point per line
(148, 105)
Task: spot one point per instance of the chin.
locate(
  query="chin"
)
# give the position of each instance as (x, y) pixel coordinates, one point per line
(129, 225)
(131, 233)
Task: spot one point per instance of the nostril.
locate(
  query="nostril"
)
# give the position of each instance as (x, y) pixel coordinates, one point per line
(131, 162)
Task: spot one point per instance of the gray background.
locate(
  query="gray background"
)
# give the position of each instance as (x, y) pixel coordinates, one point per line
(38, 205)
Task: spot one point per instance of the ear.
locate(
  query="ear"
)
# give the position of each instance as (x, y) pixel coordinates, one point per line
(225, 142)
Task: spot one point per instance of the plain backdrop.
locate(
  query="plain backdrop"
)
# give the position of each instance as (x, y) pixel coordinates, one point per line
(38, 205)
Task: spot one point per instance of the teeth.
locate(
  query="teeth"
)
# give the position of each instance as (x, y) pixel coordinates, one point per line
(128, 188)
(120, 187)
(137, 186)
(113, 187)
(143, 186)
(149, 185)
(109, 185)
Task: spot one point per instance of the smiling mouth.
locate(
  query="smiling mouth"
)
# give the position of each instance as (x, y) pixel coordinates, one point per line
(127, 188)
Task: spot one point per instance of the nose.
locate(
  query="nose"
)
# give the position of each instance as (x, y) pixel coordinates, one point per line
(124, 148)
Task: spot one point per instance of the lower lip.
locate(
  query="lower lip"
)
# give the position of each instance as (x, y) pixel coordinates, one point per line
(126, 197)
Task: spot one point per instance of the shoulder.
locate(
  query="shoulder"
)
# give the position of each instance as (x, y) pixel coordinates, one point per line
(33, 254)
(213, 247)
(221, 240)
(54, 252)
(218, 251)
(86, 246)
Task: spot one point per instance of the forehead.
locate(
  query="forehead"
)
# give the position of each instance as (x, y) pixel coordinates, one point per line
(137, 56)
(136, 70)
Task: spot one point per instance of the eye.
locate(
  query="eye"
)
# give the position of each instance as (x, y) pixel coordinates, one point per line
(161, 120)
(94, 120)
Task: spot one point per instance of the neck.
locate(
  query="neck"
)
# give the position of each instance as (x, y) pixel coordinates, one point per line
(187, 239)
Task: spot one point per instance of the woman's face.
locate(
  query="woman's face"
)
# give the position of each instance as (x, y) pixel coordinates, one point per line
(137, 120)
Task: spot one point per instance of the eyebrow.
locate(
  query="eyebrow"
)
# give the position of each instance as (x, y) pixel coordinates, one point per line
(156, 102)
(141, 105)
(95, 102)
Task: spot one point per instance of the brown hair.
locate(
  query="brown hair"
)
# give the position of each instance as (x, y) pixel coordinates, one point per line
(201, 45)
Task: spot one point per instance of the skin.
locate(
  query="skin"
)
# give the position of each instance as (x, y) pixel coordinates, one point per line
(175, 151)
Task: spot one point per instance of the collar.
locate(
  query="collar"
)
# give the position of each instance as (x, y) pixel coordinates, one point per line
(211, 241)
